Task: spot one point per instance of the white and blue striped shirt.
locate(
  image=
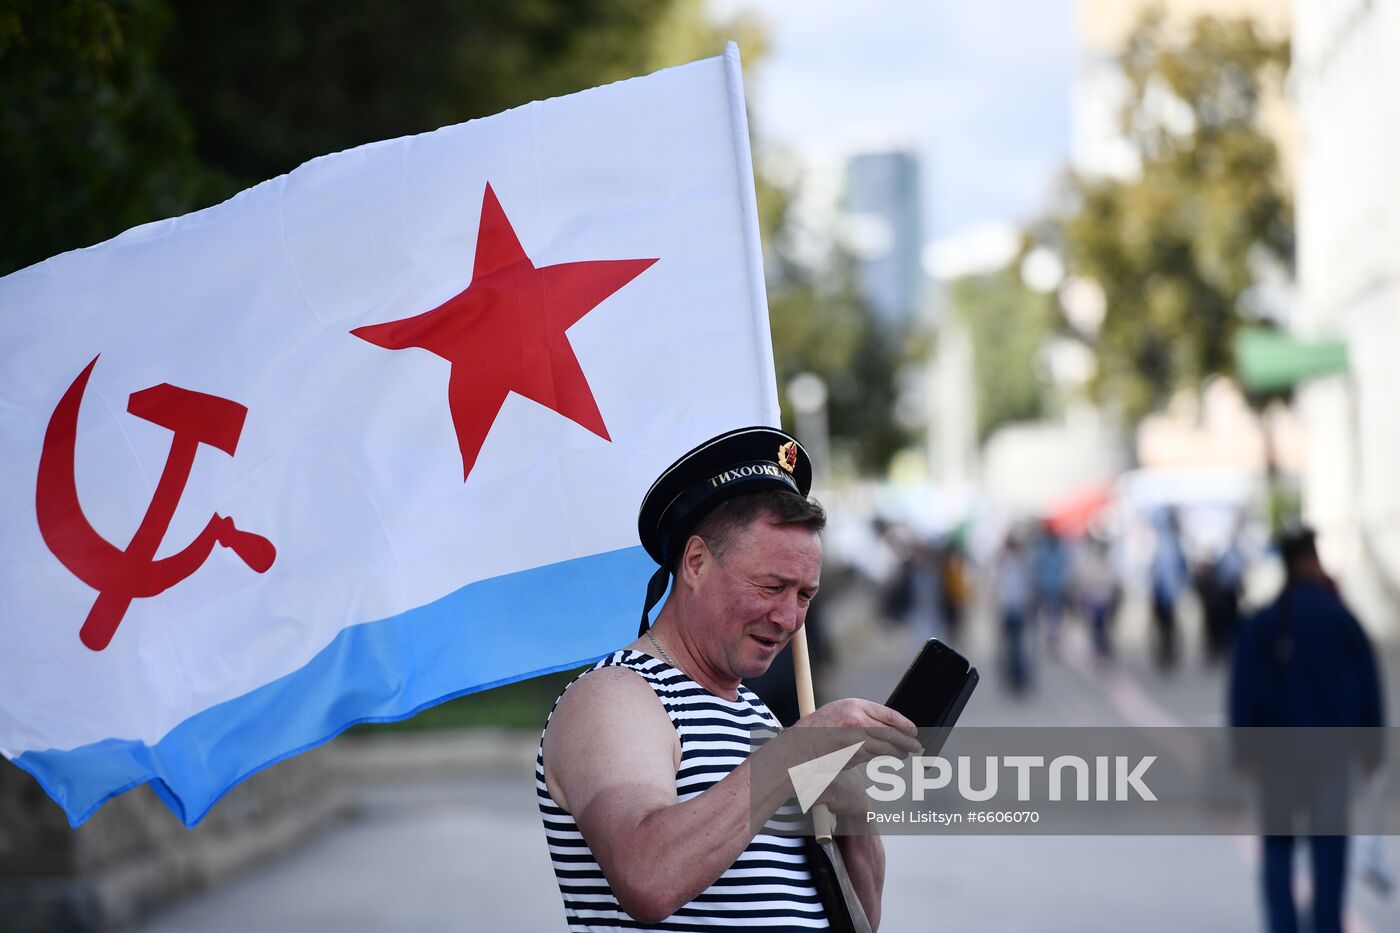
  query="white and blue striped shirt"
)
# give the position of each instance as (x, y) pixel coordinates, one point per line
(769, 887)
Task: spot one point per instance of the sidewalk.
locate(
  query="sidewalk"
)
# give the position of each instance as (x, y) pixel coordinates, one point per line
(427, 855)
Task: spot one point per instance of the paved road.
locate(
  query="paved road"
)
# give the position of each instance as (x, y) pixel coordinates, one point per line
(420, 856)
(469, 855)
(1167, 883)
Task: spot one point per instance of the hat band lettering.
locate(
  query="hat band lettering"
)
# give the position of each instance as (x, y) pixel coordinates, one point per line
(680, 516)
(747, 471)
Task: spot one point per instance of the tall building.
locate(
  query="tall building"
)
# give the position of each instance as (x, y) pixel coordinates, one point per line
(1344, 73)
(885, 231)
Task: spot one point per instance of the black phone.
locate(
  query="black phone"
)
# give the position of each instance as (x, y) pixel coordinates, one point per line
(935, 688)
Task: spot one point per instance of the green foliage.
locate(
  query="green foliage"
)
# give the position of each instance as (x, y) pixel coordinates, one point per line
(1009, 325)
(118, 112)
(272, 83)
(820, 325)
(524, 704)
(1176, 247)
(91, 139)
(832, 334)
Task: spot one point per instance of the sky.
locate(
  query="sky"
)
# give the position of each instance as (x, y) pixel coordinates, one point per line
(980, 89)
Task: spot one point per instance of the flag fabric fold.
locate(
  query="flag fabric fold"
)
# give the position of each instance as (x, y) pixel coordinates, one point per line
(367, 436)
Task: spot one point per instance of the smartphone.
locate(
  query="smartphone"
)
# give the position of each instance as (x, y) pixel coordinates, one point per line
(934, 690)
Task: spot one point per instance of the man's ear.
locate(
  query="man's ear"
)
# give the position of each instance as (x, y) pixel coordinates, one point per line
(695, 560)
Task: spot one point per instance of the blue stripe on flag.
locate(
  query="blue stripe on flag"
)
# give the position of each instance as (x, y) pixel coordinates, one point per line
(486, 634)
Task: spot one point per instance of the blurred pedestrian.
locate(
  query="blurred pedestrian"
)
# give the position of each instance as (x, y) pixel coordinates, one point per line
(1169, 576)
(1306, 662)
(955, 589)
(913, 599)
(1014, 602)
(1097, 591)
(1220, 584)
(1050, 564)
(897, 592)
(923, 615)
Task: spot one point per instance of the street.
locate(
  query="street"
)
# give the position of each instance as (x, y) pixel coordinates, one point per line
(469, 855)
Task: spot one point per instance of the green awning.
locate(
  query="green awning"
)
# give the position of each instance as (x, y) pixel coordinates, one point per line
(1270, 360)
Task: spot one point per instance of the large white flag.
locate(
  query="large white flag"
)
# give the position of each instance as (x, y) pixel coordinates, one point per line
(366, 436)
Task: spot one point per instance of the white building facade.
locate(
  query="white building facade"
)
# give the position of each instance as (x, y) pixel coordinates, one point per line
(1348, 222)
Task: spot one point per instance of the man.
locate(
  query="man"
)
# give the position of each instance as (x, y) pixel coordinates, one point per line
(1013, 594)
(1169, 576)
(647, 789)
(1220, 583)
(1098, 591)
(1304, 662)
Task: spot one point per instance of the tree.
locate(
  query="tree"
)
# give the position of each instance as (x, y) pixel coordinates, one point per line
(820, 325)
(1176, 247)
(118, 112)
(1009, 325)
(92, 141)
(272, 83)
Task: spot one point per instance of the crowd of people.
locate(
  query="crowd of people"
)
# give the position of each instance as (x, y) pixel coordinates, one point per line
(1296, 659)
(1042, 578)
(1176, 586)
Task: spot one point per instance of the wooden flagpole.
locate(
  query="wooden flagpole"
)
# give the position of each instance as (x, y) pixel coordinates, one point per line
(823, 822)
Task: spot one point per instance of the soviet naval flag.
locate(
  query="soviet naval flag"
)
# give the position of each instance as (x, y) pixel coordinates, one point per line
(367, 436)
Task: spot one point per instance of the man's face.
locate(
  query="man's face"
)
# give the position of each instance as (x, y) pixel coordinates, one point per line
(755, 597)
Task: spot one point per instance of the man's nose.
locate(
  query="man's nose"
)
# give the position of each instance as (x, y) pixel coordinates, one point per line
(787, 612)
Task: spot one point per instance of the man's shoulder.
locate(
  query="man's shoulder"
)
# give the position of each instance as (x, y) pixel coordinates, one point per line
(608, 691)
(1314, 604)
(608, 715)
(1262, 619)
(609, 680)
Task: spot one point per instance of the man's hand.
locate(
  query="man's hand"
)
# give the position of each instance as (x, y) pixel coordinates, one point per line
(879, 729)
(846, 795)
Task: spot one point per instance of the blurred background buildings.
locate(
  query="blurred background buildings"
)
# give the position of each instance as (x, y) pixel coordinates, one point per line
(883, 218)
(1348, 290)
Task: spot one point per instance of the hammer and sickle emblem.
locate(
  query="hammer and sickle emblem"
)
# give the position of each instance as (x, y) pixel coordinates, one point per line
(121, 576)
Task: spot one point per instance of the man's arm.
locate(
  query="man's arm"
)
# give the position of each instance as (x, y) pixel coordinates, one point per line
(863, 855)
(1245, 673)
(865, 863)
(610, 757)
(1366, 672)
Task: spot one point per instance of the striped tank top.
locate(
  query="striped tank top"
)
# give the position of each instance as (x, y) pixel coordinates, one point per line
(769, 887)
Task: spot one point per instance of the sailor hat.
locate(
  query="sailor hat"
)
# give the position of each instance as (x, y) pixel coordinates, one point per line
(737, 462)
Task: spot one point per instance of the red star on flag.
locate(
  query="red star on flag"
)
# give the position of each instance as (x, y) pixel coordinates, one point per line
(505, 332)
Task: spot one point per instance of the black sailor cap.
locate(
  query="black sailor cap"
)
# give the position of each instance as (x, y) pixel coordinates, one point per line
(733, 463)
